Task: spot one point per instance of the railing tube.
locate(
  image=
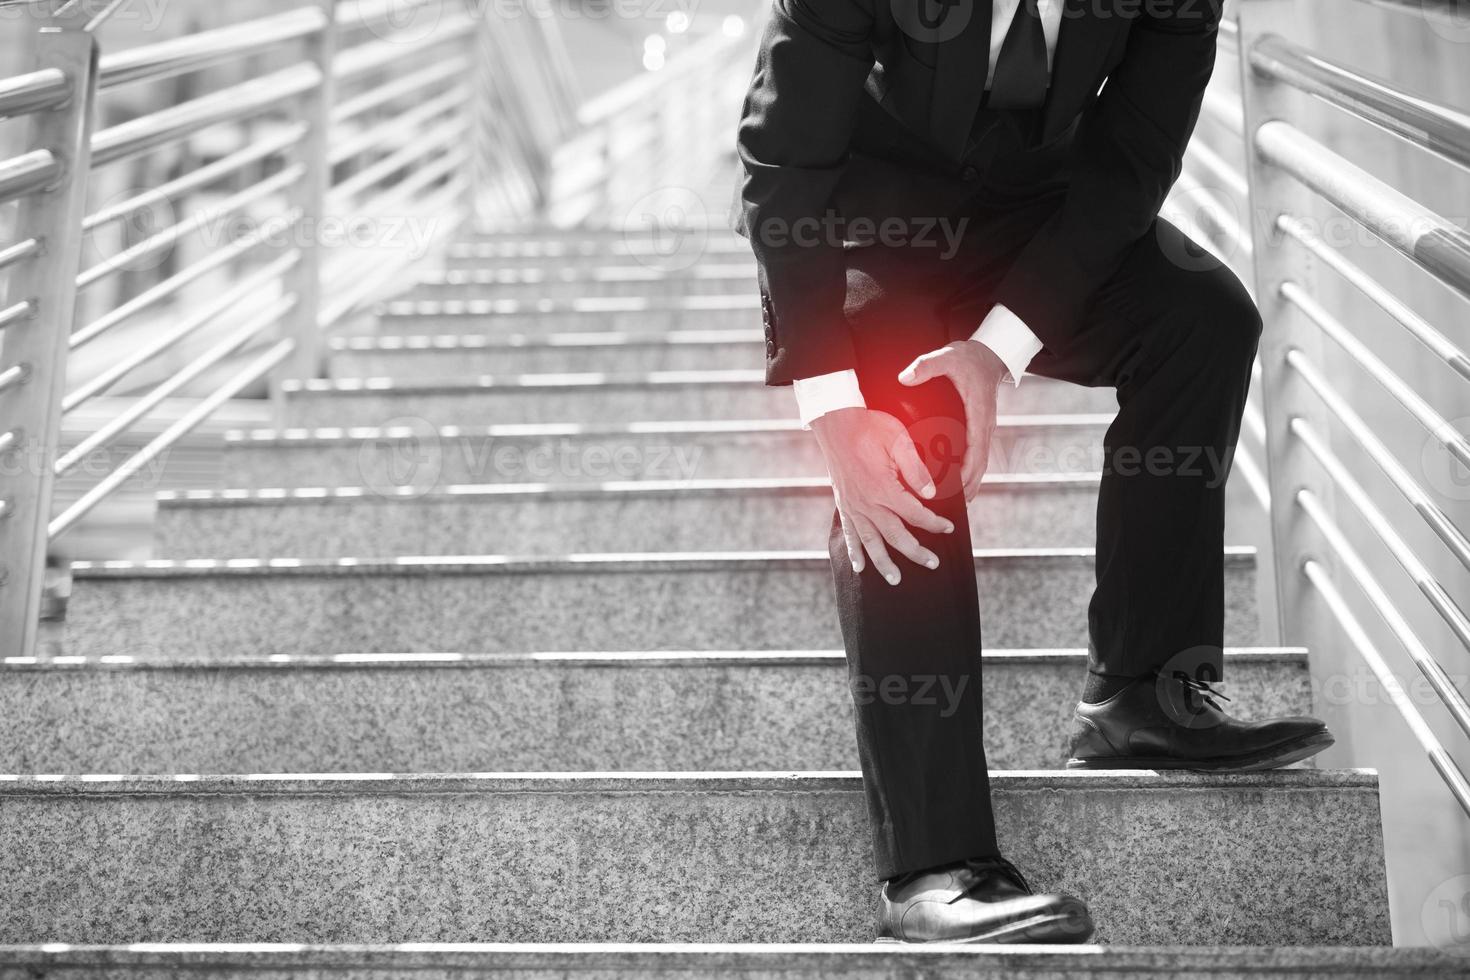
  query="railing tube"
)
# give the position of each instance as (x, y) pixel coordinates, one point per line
(309, 195)
(37, 346)
(1284, 395)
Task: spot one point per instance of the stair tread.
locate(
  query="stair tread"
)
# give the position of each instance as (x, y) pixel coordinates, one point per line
(400, 343)
(714, 487)
(352, 434)
(1235, 556)
(570, 658)
(763, 781)
(592, 305)
(746, 959)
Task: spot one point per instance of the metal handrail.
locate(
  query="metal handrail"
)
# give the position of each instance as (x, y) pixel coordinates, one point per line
(207, 49)
(1343, 482)
(1398, 475)
(247, 288)
(191, 273)
(1342, 611)
(1431, 241)
(1422, 331)
(1437, 426)
(1342, 549)
(261, 95)
(1288, 172)
(27, 174)
(1425, 124)
(365, 116)
(34, 91)
(157, 242)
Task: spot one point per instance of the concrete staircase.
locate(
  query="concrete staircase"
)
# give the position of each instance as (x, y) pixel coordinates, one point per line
(518, 637)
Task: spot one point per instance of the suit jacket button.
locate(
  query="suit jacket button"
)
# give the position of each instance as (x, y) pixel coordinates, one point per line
(770, 348)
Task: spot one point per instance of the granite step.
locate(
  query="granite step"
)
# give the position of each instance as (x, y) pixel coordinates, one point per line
(711, 961)
(428, 357)
(533, 712)
(530, 283)
(425, 457)
(1281, 858)
(600, 398)
(538, 519)
(665, 254)
(501, 317)
(497, 603)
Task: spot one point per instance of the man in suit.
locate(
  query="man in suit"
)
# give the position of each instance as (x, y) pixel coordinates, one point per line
(941, 196)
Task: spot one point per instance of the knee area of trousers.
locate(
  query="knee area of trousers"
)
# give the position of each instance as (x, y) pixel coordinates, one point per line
(1227, 323)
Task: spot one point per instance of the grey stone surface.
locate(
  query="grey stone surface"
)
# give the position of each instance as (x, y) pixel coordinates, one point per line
(581, 254)
(734, 394)
(498, 603)
(425, 458)
(1282, 858)
(642, 516)
(703, 279)
(529, 712)
(762, 961)
(751, 962)
(429, 357)
(509, 316)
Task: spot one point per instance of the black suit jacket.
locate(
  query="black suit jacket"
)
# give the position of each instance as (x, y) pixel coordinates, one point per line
(825, 65)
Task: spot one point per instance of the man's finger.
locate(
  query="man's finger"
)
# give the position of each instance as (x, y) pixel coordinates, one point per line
(925, 367)
(981, 459)
(873, 543)
(905, 543)
(910, 466)
(977, 445)
(917, 515)
(854, 544)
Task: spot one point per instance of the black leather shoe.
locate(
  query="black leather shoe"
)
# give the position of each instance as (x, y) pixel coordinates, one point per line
(1176, 722)
(981, 901)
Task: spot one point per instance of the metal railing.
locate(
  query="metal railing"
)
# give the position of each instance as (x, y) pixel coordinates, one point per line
(350, 115)
(658, 132)
(1317, 499)
(362, 117)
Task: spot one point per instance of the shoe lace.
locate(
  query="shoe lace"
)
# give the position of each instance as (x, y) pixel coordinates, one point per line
(1204, 690)
(987, 864)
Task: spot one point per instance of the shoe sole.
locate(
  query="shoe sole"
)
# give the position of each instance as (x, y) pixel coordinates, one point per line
(1273, 758)
(1053, 929)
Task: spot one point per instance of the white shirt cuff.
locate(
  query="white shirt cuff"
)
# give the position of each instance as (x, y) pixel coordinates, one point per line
(825, 393)
(1012, 341)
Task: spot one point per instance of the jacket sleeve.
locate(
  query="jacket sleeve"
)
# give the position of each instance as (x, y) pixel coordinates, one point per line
(1126, 156)
(794, 137)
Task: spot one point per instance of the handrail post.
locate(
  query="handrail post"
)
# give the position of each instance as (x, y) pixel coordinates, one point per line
(37, 347)
(309, 194)
(1284, 394)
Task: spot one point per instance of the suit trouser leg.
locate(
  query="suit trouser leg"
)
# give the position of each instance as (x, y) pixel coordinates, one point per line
(1175, 332)
(914, 649)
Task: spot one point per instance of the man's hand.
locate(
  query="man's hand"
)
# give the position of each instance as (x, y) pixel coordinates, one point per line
(976, 372)
(876, 472)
